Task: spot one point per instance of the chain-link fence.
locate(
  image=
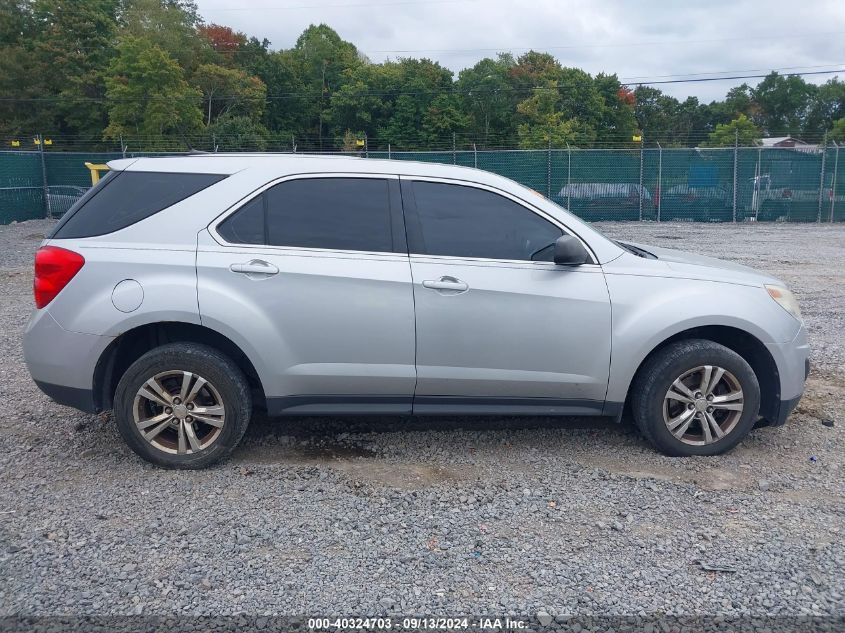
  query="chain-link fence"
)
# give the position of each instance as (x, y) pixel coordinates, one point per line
(657, 184)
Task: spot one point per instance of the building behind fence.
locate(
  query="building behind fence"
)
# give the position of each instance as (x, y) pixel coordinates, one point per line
(709, 185)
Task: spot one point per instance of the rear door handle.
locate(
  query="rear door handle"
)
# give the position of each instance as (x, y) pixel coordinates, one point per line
(446, 283)
(255, 267)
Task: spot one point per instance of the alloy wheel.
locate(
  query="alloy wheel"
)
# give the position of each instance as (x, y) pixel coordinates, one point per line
(703, 405)
(179, 412)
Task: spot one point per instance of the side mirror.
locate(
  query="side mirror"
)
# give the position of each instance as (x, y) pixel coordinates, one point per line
(570, 252)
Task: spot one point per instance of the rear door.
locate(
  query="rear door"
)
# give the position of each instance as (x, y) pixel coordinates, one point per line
(500, 327)
(312, 275)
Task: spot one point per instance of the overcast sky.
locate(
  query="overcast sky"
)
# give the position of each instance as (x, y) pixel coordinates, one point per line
(637, 39)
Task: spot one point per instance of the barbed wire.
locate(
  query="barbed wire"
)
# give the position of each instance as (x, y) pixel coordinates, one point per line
(327, 144)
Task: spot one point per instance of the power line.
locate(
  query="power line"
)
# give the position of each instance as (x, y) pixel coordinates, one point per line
(722, 72)
(700, 79)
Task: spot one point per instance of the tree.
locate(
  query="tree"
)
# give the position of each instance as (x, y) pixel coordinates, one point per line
(287, 108)
(655, 114)
(826, 106)
(781, 104)
(238, 133)
(543, 122)
(149, 94)
(487, 99)
(617, 124)
(71, 47)
(229, 91)
(16, 69)
(740, 131)
(418, 83)
(443, 118)
(837, 133)
(738, 101)
(225, 41)
(321, 59)
(172, 26)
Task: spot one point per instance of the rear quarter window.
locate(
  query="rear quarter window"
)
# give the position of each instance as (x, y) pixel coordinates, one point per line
(127, 197)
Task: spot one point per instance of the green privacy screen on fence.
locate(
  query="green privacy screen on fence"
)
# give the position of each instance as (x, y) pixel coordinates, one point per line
(707, 185)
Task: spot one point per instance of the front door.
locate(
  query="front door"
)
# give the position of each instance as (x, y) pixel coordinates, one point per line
(311, 277)
(500, 327)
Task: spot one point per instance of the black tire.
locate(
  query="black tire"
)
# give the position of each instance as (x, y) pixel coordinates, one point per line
(656, 376)
(219, 370)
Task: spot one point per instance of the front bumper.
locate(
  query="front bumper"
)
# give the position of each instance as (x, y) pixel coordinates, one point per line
(62, 362)
(793, 362)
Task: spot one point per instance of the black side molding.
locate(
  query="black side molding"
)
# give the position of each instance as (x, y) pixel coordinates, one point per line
(459, 405)
(331, 404)
(339, 405)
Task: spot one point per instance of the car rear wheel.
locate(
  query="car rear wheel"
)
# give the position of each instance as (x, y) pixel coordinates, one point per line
(183, 405)
(695, 397)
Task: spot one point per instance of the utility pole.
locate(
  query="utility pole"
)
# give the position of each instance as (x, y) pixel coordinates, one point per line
(549, 169)
(474, 156)
(454, 151)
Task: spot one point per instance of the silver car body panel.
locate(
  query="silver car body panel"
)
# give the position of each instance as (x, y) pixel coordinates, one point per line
(653, 302)
(336, 328)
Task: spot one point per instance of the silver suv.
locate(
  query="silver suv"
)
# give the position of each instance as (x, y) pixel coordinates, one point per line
(183, 292)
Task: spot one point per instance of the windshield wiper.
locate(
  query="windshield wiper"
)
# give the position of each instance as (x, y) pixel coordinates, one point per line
(634, 250)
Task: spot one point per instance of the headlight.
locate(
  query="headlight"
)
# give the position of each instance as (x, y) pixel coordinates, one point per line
(785, 299)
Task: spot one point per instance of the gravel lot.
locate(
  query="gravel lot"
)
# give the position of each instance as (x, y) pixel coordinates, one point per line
(436, 516)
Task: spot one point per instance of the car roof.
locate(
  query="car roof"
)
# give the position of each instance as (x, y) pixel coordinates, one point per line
(229, 164)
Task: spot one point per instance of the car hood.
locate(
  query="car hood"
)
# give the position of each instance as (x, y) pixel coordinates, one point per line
(702, 266)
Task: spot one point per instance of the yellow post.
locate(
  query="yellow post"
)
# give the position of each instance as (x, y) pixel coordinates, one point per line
(95, 171)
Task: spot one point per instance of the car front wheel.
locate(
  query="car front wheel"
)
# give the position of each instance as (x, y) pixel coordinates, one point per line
(182, 405)
(695, 397)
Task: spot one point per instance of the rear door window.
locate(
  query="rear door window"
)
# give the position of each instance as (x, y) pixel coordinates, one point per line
(246, 225)
(128, 197)
(335, 213)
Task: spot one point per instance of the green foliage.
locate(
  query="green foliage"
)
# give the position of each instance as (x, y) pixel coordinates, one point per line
(229, 91)
(782, 103)
(70, 48)
(741, 131)
(172, 26)
(617, 122)
(543, 121)
(826, 107)
(487, 100)
(99, 69)
(148, 93)
(238, 133)
(837, 133)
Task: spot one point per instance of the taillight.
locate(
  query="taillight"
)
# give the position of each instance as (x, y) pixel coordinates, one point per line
(54, 268)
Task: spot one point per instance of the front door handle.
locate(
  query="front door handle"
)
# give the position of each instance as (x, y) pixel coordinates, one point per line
(255, 267)
(446, 283)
